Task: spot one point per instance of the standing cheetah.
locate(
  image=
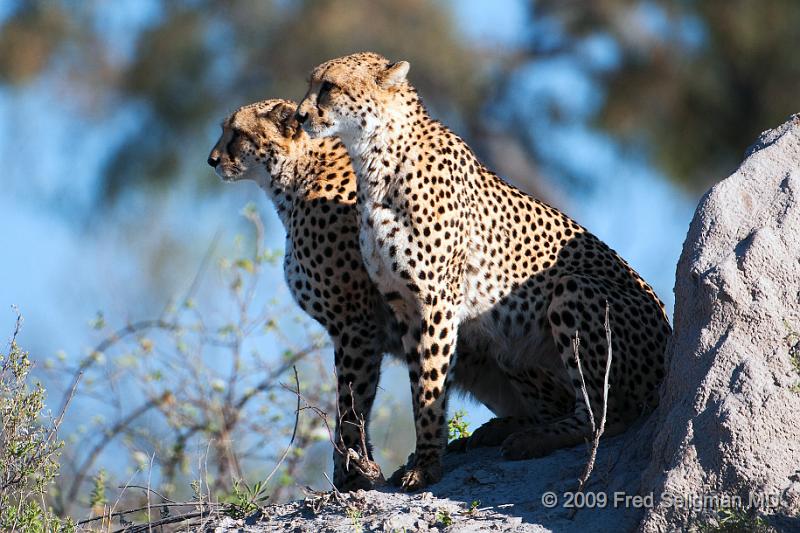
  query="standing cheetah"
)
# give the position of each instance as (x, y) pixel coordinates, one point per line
(313, 187)
(456, 251)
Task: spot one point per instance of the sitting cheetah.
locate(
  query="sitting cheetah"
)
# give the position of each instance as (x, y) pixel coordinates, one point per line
(313, 187)
(458, 252)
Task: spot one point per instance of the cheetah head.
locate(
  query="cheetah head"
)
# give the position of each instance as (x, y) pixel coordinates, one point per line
(256, 141)
(346, 96)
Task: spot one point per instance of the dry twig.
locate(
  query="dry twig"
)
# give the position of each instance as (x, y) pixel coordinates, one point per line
(294, 431)
(597, 432)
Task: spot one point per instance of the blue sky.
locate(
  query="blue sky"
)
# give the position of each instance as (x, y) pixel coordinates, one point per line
(60, 273)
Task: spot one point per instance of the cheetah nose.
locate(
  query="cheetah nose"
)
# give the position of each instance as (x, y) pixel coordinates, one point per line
(213, 161)
(301, 117)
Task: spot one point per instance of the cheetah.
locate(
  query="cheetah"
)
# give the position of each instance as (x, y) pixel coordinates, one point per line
(313, 187)
(459, 253)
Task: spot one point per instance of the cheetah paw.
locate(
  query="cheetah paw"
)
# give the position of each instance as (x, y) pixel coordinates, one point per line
(459, 445)
(492, 433)
(420, 477)
(415, 478)
(528, 444)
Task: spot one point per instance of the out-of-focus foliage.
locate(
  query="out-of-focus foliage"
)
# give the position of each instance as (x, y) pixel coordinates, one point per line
(197, 395)
(28, 40)
(691, 84)
(695, 82)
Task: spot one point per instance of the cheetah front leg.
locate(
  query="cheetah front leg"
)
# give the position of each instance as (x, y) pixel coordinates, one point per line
(429, 350)
(357, 356)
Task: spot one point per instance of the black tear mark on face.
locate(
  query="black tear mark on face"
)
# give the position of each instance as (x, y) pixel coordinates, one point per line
(229, 146)
(325, 90)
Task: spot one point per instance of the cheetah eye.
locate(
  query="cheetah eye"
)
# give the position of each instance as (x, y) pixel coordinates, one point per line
(326, 88)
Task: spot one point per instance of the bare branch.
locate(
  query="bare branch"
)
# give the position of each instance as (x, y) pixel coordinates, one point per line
(201, 270)
(269, 381)
(596, 432)
(109, 435)
(365, 466)
(148, 489)
(294, 431)
(60, 418)
(170, 520)
(607, 326)
(144, 508)
(576, 343)
(17, 325)
(106, 343)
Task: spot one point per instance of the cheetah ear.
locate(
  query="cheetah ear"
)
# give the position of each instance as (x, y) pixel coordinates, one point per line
(290, 127)
(284, 117)
(394, 74)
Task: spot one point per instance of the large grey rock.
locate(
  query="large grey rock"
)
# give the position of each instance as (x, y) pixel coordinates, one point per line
(729, 420)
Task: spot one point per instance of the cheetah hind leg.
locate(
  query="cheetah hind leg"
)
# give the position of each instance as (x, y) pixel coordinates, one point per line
(542, 441)
(569, 316)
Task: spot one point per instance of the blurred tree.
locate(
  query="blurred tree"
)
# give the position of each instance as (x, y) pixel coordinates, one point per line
(28, 40)
(690, 84)
(694, 82)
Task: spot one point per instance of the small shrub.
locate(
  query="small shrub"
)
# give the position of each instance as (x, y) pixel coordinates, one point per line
(244, 499)
(443, 517)
(97, 498)
(355, 518)
(735, 520)
(457, 427)
(29, 448)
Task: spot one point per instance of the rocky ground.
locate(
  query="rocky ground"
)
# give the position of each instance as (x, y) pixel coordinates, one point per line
(480, 492)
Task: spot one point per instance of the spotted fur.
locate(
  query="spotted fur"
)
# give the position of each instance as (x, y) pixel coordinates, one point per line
(459, 253)
(313, 186)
